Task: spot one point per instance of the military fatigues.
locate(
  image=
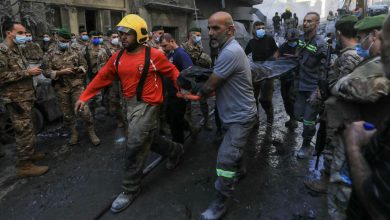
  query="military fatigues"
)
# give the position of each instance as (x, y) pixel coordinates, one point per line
(33, 52)
(311, 68)
(68, 87)
(17, 92)
(97, 59)
(201, 59)
(361, 95)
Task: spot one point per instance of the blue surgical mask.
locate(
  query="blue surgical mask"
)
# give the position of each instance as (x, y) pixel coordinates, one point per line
(292, 43)
(84, 37)
(28, 39)
(20, 39)
(362, 52)
(96, 41)
(46, 39)
(198, 39)
(63, 45)
(260, 33)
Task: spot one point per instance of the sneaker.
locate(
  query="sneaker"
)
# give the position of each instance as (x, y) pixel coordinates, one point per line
(175, 160)
(123, 200)
(304, 152)
(216, 209)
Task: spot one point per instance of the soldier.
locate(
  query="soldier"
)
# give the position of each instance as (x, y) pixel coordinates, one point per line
(16, 90)
(31, 50)
(344, 65)
(114, 93)
(46, 42)
(193, 47)
(157, 32)
(96, 56)
(312, 58)
(361, 95)
(66, 66)
(84, 38)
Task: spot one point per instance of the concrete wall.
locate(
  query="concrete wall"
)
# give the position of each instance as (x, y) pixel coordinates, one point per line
(106, 4)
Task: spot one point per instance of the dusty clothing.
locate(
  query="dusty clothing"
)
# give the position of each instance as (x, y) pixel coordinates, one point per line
(198, 56)
(97, 58)
(17, 92)
(33, 52)
(68, 87)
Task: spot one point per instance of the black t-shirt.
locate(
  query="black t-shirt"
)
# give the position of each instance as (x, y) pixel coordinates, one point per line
(261, 49)
(286, 50)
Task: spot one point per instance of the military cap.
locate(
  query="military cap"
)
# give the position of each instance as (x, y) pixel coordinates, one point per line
(195, 29)
(346, 19)
(157, 28)
(63, 32)
(93, 33)
(369, 23)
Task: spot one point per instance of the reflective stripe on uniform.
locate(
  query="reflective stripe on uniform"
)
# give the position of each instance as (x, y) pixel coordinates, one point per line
(225, 173)
(309, 47)
(309, 123)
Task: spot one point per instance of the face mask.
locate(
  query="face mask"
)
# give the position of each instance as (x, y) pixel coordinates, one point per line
(20, 39)
(96, 41)
(260, 33)
(100, 40)
(362, 52)
(63, 45)
(46, 39)
(115, 41)
(74, 40)
(292, 43)
(197, 39)
(84, 37)
(157, 39)
(28, 39)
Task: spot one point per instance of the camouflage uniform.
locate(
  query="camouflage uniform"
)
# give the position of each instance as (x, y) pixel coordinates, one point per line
(362, 95)
(98, 58)
(68, 87)
(33, 52)
(17, 92)
(201, 59)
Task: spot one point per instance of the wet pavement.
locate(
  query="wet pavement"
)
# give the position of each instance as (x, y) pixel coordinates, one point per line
(84, 179)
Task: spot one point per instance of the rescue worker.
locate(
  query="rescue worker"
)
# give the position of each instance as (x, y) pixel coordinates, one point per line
(157, 32)
(263, 47)
(176, 107)
(276, 22)
(66, 66)
(344, 65)
(17, 92)
(231, 80)
(114, 93)
(31, 50)
(361, 95)
(142, 91)
(287, 82)
(312, 59)
(193, 46)
(96, 56)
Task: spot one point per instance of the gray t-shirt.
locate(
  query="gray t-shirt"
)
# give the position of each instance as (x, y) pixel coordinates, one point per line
(234, 97)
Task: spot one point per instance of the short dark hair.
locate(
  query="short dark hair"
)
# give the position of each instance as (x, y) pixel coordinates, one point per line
(314, 13)
(167, 36)
(9, 26)
(347, 29)
(258, 23)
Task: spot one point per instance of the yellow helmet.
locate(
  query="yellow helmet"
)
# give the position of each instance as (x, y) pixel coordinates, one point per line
(136, 23)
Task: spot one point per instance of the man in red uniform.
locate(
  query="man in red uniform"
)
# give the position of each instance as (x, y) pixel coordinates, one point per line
(143, 94)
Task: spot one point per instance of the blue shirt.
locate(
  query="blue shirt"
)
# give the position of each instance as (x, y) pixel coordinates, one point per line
(182, 61)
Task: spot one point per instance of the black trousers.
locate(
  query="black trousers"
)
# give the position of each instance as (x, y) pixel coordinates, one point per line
(175, 111)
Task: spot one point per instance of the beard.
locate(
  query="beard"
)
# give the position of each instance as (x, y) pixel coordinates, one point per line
(218, 42)
(131, 47)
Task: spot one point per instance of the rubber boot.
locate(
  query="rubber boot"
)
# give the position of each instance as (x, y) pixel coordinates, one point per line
(27, 168)
(92, 136)
(269, 111)
(74, 136)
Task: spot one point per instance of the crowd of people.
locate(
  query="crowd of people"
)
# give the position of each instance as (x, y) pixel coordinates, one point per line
(136, 72)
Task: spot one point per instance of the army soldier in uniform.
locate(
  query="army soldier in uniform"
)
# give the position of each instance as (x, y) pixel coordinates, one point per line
(193, 47)
(16, 90)
(66, 66)
(31, 50)
(96, 56)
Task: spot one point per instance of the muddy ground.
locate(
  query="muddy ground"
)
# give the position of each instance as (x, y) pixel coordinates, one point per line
(83, 179)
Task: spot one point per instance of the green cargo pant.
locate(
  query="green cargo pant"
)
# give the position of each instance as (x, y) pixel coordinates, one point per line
(142, 136)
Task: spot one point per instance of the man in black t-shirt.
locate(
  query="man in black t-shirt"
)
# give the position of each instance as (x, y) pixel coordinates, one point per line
(263, 47)
(276, 22)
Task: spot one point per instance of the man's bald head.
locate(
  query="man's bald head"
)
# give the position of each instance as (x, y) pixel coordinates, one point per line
(385, 53)
(221, 28)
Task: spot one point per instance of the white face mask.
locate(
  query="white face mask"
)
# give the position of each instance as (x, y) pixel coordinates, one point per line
(115, 41)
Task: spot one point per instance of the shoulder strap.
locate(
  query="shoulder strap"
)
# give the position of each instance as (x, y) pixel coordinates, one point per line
(108, 51)
(141, 83)
(118, 58)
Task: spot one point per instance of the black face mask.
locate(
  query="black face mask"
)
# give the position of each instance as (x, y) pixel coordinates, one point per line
(132, 47)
